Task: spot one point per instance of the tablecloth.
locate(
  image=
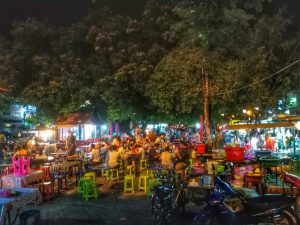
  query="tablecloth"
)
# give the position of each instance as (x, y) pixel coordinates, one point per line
(12, 181)
(26, 196)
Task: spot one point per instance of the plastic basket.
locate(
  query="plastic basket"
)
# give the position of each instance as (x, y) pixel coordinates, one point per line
(235, 153)
(201, 149)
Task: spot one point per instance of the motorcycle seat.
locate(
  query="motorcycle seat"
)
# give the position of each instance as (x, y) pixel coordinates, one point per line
(267, 202)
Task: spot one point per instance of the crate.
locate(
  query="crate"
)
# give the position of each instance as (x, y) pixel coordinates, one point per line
(201, 149)
(235, 154)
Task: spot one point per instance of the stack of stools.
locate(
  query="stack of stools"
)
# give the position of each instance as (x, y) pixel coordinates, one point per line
(87, 186)
(129, 179)
(47, 188)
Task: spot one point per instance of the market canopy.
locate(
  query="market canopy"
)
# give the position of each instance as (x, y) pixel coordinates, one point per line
(77, 118)
(260, 125)
(287, 117)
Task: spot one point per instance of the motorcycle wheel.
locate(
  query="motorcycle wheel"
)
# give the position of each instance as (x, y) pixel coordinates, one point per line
(157, 211)
(285, 217)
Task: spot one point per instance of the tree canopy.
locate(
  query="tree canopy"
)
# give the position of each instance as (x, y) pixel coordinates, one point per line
(152, 68)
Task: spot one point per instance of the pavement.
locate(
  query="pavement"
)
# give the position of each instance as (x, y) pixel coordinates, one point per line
(113, 207)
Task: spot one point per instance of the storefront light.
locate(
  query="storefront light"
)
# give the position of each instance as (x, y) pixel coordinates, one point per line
(297, 125)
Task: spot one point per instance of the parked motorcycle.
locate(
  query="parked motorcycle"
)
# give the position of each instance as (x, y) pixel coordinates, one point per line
(227, 206)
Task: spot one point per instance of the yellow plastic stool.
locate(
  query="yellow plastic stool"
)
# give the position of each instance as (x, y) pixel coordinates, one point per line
(129, 183)
(130, 170)
(105, 172)
(91, 175)
(90, 189)
(143, 182)
(143, 164)
(114, 174)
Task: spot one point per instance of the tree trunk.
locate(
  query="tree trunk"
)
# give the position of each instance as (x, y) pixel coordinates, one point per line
(206, 111)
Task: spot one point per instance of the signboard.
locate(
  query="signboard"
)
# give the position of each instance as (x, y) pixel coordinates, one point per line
(292, 102)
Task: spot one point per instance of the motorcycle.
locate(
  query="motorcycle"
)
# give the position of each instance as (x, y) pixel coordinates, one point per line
(270, 208)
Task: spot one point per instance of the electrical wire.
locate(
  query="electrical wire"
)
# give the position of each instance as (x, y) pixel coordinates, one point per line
(259, 81)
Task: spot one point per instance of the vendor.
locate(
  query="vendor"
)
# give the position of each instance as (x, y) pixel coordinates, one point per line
(70, 144)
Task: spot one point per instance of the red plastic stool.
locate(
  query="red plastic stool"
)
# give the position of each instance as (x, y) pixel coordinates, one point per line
(8, 170)
(47, 190)
(46, 170)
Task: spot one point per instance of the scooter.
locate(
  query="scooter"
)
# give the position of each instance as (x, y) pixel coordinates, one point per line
(269, 208)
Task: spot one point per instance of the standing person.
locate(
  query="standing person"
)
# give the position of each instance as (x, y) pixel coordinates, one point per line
(152, 154)
(70, 144)
(182, 158)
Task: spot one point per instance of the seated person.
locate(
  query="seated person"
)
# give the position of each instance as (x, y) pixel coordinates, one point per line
(95, 154)
(167, 158)
(113, 157)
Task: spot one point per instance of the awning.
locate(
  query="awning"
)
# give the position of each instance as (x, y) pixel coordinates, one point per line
(260, 125)
(76, 119)
(287, 117)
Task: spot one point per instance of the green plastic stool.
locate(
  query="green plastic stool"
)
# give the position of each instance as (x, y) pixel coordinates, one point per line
(151, 183)
(129, 183)
(90, 190)
(114, 174)
(91, 175)
(143, 182)
(143, 164)
(81, 183)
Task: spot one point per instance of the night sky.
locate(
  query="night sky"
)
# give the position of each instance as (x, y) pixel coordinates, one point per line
(65, 12)
(60, 12)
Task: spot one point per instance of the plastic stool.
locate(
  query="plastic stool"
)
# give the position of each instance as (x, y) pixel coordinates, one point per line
(89, 189)
(81, 183)
(91, 175)
(105, 172)
(129, 183)
(47, 190)
(114, 174)
(36, 214)
(130, 170)
(46, 170)
(151, 183)
(143, 182)
(143, 164)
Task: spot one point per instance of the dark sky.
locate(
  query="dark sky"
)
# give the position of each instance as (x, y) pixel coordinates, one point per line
(59, 12)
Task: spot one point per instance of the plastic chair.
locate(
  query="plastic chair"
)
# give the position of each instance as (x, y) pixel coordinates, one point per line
(81, 182)
(129, 183)
(46, 170)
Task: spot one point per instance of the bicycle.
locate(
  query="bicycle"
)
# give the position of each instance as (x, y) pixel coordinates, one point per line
(167, 197)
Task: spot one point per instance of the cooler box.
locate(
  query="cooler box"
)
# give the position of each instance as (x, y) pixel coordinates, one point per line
(235, 154)
(201, 149)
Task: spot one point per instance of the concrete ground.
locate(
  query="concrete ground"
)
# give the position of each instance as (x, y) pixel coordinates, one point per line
(112, 207)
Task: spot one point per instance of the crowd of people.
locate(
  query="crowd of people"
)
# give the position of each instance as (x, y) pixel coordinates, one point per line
(157, 152)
